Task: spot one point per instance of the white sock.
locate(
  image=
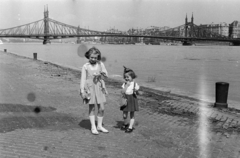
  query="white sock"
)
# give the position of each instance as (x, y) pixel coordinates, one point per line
(92, 121)
(100, 127)
(100, 120)
(131, 123)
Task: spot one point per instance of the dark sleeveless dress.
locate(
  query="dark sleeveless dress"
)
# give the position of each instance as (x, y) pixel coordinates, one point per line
(132, 103)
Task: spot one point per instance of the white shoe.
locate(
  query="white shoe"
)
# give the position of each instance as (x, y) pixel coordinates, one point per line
(94, 131)
(102, 129)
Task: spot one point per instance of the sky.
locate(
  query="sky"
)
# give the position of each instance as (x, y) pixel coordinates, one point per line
(101, 15)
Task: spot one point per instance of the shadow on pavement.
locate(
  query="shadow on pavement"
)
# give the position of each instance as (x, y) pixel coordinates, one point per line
(119, 124)
(85, 124)
(6, 107)
(18, 116)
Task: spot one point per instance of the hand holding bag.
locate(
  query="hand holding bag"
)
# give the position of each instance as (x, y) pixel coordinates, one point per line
(86, 95)
(123, 102)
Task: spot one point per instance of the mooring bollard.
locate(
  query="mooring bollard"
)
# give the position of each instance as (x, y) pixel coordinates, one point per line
(5, 50)
(221, 94)
(35, 56)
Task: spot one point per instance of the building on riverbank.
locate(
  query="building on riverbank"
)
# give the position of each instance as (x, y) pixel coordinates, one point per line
(234, 29)
(220, 29)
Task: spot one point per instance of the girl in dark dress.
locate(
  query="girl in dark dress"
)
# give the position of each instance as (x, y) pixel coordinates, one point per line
(129, 89)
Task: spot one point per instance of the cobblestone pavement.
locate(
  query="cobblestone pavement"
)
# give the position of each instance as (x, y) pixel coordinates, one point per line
(42, 116)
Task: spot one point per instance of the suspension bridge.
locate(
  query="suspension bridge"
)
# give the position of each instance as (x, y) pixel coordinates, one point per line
(48, 29)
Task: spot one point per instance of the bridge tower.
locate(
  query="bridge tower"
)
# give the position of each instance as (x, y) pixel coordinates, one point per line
(186, 26)
(46, 27)
(78, 33)
(192, 19)
(191, 25)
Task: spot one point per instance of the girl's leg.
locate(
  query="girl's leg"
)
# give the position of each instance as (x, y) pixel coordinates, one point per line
(92, 118)
(131, 120)
(100, 118)
(125, 115)
(125, 123)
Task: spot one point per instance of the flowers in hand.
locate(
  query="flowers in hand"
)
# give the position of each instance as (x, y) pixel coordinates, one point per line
(100, 74)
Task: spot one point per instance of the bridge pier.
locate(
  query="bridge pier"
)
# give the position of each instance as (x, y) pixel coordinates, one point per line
(78, 40)
(187, 43)
(46, 41)
(234, 43)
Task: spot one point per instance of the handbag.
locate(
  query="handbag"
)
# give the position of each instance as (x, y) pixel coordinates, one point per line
(123, 102)
(86, 96)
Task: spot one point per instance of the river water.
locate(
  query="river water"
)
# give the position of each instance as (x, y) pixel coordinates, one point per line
(187, 70)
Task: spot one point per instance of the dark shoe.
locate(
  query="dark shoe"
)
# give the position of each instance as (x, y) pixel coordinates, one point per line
(124, 127)
(129, 130)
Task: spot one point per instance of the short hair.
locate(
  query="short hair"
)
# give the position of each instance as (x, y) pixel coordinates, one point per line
(131, 73)
(91, 51)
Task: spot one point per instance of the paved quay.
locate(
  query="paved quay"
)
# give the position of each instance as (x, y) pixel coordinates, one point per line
(42, 116)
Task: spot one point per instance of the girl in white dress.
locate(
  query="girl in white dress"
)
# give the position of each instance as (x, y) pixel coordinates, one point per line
(92, 88)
